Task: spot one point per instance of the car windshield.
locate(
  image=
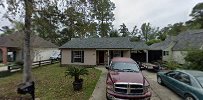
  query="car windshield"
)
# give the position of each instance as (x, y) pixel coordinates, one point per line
(200, 80)
(122, 66)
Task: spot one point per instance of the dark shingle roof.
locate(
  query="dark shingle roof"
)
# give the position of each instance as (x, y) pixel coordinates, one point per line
(101, 43)
(105, 43)
(189, 40)
(16, 40)
(140, 46)
(162, 45)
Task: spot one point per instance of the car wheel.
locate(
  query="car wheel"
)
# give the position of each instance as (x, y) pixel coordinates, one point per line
(189, 97)
(159, 80)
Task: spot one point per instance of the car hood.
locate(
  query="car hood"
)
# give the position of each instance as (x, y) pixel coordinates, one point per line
(129, 77)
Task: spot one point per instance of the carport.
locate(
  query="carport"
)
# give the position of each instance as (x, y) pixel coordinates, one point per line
(140, 52)
(154, 55)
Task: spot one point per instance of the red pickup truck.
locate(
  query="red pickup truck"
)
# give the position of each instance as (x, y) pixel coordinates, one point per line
(125, 81)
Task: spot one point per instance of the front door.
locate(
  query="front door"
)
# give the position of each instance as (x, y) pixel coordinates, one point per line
(101, 57)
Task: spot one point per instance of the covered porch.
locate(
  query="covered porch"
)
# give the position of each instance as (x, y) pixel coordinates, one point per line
(103, 56)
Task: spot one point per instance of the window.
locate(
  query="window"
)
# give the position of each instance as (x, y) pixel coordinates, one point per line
(122, 66)
(183, 78)
(172, 74)
(77, 56)
(166, 53)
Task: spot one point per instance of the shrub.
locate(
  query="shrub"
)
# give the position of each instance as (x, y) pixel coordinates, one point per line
(76, 72)
(194, 60)
(150, 42)
(172, 65)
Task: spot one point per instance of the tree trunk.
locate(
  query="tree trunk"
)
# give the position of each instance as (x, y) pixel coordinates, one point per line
(27, 31)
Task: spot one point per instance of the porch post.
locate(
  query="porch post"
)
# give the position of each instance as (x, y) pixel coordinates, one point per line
(108, 57)
(147, 55)
(4, 54)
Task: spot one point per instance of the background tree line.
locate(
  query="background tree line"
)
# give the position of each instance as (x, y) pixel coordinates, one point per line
(59, 21)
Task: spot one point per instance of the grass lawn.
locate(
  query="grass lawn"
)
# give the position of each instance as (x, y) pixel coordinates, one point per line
(50, 84)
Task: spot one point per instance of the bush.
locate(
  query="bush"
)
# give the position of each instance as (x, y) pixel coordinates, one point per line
(172, 65)
(194, 60)
(76, 72)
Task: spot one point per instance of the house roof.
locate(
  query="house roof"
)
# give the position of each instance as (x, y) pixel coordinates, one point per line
(192, 39)
(162, 45)
(16, 40)
(104, 43)
(189, 40)
(140, 45)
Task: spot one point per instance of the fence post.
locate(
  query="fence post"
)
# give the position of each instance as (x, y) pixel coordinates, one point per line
(51, 61)
(39, 63)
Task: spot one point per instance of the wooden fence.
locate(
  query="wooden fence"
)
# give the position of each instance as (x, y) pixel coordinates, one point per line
(44, 62)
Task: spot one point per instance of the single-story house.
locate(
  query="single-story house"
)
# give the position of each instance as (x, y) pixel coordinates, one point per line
(96, 51)
(175, 48)
(11, 48)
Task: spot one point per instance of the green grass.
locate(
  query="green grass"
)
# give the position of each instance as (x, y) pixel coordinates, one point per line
(50, 84)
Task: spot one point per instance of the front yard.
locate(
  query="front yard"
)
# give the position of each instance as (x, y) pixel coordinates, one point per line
(51, 84)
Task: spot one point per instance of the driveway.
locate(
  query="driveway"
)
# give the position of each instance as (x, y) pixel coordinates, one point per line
(158, 92)
(162, 92)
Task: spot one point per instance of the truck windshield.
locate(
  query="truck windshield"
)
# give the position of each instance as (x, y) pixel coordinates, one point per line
(122, 66)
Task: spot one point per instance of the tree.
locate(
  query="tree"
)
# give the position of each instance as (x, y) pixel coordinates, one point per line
(114, 33)
(124, 30)
(148, 32)
(46, 21)
(197, 16)
(135, 31)
(195, 60)
(176, 29)
(102, 14)
(7, 30)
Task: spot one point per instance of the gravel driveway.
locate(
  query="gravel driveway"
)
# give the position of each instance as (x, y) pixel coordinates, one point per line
(158, 92)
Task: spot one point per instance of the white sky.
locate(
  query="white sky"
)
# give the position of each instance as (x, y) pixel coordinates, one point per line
(159, 13)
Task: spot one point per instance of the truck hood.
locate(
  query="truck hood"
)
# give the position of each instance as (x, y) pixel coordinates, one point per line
(129, 77)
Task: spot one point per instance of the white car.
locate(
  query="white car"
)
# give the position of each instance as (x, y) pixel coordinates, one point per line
(55, 56)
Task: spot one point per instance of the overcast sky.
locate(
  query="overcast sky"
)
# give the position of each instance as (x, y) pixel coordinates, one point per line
(159, 13)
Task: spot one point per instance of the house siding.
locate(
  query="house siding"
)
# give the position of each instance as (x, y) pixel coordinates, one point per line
(169, 49)
(89, 57)
(126, 53)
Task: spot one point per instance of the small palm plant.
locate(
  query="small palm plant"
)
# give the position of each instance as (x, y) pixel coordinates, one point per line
(76, 72)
